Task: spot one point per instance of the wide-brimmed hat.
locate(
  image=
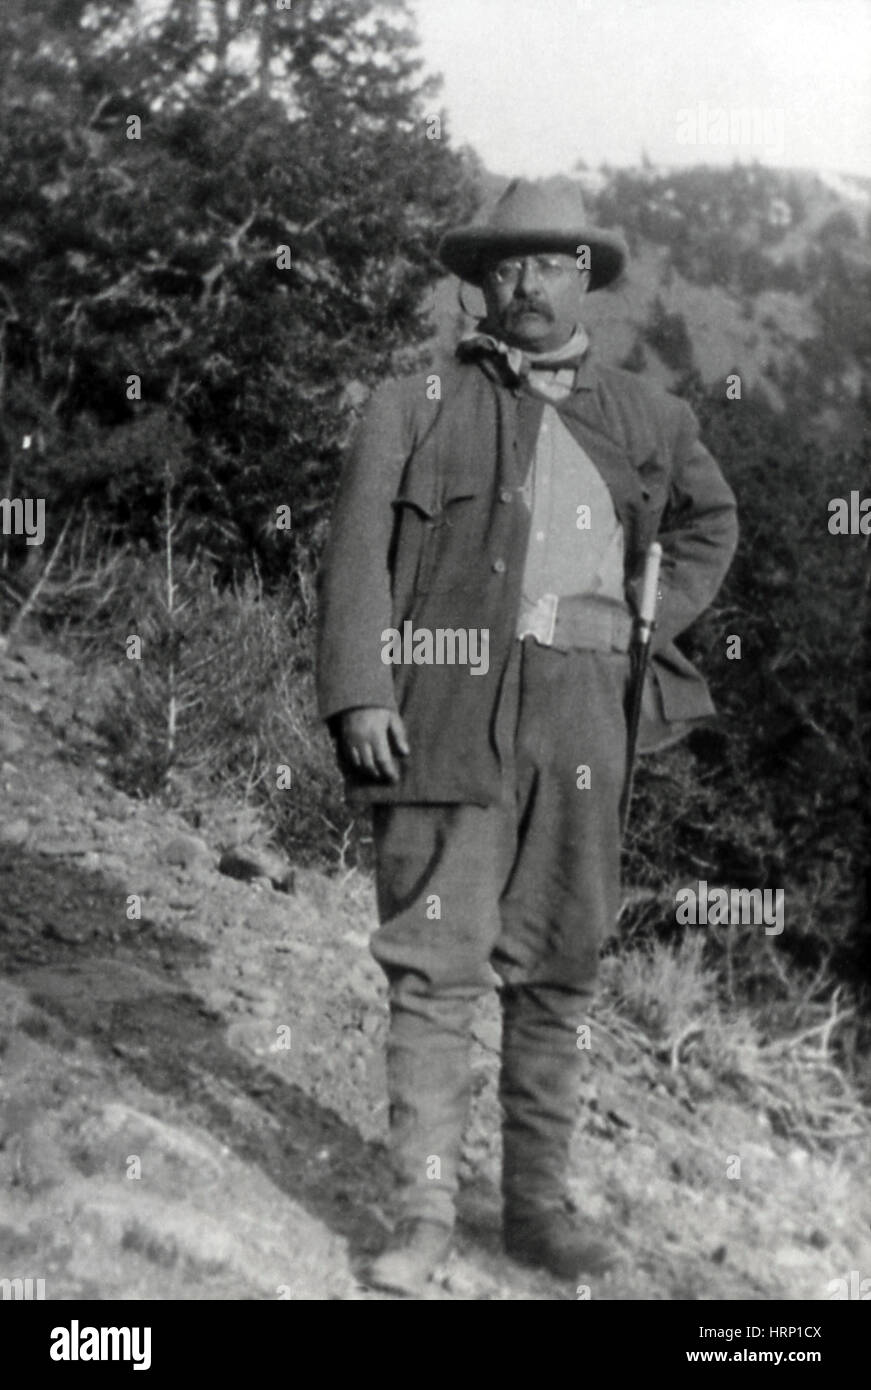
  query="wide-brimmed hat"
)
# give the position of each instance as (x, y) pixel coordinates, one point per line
(534, 216)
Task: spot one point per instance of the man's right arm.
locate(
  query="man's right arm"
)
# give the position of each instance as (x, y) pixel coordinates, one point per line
(355, 688)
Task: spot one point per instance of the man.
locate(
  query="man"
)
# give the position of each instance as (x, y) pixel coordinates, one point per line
(477, 608)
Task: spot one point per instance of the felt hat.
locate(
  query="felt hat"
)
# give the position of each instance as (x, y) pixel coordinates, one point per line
(532, 217)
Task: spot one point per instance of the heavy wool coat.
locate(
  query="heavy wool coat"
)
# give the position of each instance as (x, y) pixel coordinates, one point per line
(428, 527)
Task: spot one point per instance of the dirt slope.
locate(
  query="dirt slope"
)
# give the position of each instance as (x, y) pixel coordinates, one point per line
(192, 1101)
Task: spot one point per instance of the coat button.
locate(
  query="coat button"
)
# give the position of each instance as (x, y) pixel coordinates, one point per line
(506, 496)
(498, 566)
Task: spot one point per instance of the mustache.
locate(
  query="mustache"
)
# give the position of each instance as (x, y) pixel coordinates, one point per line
(526, 306)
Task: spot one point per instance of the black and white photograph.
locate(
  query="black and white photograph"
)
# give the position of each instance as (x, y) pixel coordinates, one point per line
(435, 665)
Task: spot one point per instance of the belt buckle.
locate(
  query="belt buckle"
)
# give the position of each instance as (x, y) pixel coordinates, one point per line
(538, 620)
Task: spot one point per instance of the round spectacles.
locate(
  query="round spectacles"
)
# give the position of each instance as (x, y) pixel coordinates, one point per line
(548, 267)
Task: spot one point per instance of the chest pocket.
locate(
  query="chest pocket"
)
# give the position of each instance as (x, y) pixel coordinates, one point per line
(435, 533)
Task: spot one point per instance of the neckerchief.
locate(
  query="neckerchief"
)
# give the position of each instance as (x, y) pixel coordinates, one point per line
(521, 363)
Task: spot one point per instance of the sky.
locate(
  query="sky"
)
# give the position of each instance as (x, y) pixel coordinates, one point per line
(535, 85)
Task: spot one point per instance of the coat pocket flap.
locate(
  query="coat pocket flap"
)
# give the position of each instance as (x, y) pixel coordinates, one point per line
(420, 493)
(459, 490)
(417, 490)
(683, 688)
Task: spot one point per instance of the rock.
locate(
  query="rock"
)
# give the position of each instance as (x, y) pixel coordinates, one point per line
(12, 670)
(131, 1052)
(64, 931)
(39, 1166)
(186, 851)
(465, 1283)
(25, 695)
(160, 1249)
(14, 832)
(248, 864)
(88, 714)
(61, 847)
(11, 741)
(114, 806)
(700, 1082)
(58, 720)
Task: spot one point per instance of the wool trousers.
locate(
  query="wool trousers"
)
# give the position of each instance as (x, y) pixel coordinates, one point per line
(524, 891)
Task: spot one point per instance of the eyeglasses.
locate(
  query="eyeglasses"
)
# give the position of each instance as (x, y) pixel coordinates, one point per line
(548, 267)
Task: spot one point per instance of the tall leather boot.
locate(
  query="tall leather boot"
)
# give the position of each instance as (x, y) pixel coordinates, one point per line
(538, 1088)
(429, 1088)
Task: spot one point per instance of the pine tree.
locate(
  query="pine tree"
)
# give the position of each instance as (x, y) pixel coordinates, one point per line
(235, 203)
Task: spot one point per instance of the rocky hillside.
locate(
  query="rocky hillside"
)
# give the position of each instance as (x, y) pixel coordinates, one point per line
(193, 1101)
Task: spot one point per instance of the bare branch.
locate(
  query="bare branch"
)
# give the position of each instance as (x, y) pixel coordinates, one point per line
(30, 603)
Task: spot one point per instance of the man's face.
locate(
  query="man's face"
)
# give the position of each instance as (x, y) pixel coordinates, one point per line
(534, 302)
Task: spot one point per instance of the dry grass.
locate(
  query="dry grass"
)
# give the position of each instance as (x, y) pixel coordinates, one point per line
(662, 989)
(222, 698)
(659, 1006)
